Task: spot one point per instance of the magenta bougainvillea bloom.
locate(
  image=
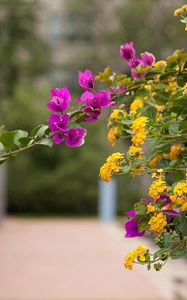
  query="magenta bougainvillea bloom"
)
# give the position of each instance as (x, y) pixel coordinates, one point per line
(165, 199)
(147, 59)
(94, 103)
(131, 213)
(92, 113)
(87, 98)
(75, 137)
(131, 228)
(58, 125)
(127, 51)
(118, 90)
(103, 99)
(60, 99)
(57, 122)
(86, 79)
(133, 63)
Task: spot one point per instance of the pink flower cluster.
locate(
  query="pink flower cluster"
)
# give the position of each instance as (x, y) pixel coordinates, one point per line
(58, 122)
(128, 53)
(93, 102)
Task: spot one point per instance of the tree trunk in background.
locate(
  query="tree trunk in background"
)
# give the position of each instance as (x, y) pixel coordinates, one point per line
(3, 190)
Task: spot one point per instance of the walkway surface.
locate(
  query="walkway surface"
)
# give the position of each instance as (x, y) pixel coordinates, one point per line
(68, 259)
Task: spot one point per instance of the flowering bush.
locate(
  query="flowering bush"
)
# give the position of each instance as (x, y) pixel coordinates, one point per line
(149, 108)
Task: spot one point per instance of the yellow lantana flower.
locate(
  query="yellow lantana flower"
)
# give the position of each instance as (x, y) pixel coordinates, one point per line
(111, 166)
(157, 223)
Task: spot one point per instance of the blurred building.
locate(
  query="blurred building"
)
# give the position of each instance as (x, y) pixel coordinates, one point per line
(71, 28)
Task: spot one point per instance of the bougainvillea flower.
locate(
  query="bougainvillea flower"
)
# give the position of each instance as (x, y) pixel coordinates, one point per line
(133, 63)
(118, 90)
(75, 137)
(147, 59)
(131, 213)
(86, 97)
(170, 214)
(165, 198)
(57, 122)
(58, 125)
(60, 99)
(102, 99)
(92, 113)
(86, 79)
(127, 51)
(131, 228)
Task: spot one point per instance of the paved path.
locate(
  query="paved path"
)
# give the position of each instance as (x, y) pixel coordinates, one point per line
(72, 260)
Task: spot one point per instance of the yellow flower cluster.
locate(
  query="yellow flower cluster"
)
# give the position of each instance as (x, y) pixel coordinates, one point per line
(138, 128)
(160, 65)
(135, 151)
(157, 223)
(140, 253)
(157, 187)
(114, 116)
(113, 135)
(175, 151)
(184, 206)
(150, 208)
(180, 10)
(111, 166)
(136, 104)
(114, 132)
(179, 193)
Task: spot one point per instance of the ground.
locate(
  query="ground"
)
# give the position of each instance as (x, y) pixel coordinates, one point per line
(77, 259)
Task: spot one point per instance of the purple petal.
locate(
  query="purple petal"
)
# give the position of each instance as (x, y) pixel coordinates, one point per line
(127, 51)
(131, 228)
(86, 79)
(102, 99)
(164, 197)
(131, 213)
(57, 122)
(133, 63)
(170, 214)
(148, 59)
(92, 114)
(58, 138)
(86, 97)
(75, 137)
(60, 99)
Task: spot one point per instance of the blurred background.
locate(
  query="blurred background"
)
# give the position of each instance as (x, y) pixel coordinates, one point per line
(43, 44)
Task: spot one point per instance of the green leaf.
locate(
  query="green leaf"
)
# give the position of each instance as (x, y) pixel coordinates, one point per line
(140, 208)
(39, 131)
(3, 159)
(25, 141)
(181, 224)
(7, 139)
(179, 253)
(2, 148)
(163, 163)
(167, 240)
(19, 134)
(151, 112)
(174, 128)
(162, 253)
(143, 224)
(46, 142)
